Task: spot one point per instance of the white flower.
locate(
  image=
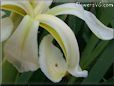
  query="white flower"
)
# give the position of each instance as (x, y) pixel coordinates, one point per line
(21, 49)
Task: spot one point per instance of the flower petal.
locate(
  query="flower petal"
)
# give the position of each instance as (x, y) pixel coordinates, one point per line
(51, 60)
(22, 49)
(70, 8)
(42, 6)
(33, 3)
(65, 36)
(6, 28)
(98, 28)
(77, 72)
(20, 7)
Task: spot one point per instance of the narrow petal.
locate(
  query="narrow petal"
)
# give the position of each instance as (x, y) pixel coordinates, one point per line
(51, 60)
(22, 49)
(27, 6)
(77, 72)
(35, 3)
(47, 3)
(20, 7)
(98, 28)
(70, 8)
(6, 28)
(42, 6)
(64, 36)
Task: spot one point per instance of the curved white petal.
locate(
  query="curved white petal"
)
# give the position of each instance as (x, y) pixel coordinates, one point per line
(22, 49)
(18, 6)
(51, 60)
(77, 72)
(98, 28)
(6, 28)
(70, 8)
(42, 6)
(37, 2)
(68, 38)
(46, 3)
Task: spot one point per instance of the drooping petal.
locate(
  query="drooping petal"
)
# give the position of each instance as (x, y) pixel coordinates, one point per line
(98, 28)
(21, 49)
(51, 60)
(77, 72)
(6, 28)
(66, 39)
(20, 7)
(70, 8)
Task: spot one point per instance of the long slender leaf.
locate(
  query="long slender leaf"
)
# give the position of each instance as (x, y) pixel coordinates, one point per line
(8, 73)
(88, 49)
(109, 81)
(106, 15)
(93, 56)
(101, 66)
(74, 23)
(23, 78)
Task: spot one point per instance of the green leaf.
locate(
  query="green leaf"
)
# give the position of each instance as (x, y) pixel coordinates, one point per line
(23, 78)
(112, 23)
(88, 49)
(62, 17)
(102, 65)
(74, 23)
(39, 77)
(91, 53)
(8, 73)
(109, 81)
(95, 53)
(106, 15)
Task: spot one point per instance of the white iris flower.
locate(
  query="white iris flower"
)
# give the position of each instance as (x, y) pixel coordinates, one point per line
(21, 47)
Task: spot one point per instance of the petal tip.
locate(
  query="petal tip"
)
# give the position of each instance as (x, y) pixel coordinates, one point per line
(83, 73)
(78, 72)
